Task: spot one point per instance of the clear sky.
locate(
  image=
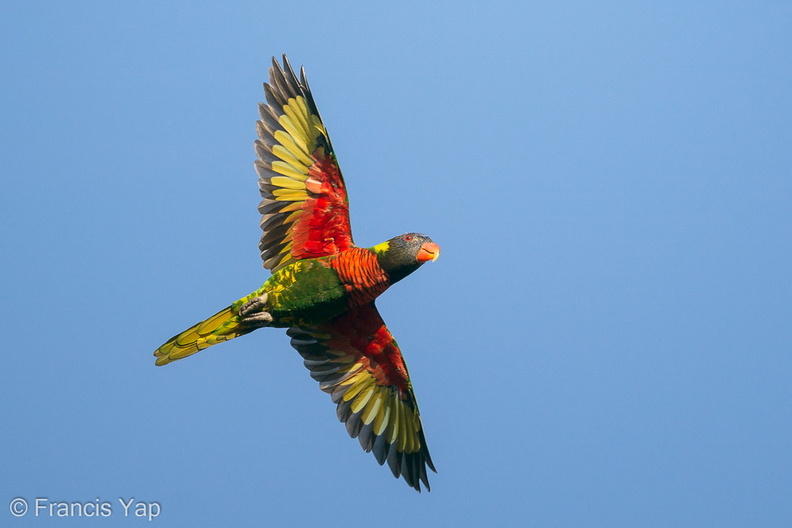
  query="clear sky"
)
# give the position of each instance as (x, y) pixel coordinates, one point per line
(604, 342)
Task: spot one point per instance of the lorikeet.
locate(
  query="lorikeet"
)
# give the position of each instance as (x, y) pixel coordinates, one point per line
(323, 286)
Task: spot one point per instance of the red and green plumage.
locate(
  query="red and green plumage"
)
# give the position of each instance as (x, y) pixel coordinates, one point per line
(322, 286)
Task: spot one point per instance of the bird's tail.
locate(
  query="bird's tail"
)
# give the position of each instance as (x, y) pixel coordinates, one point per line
(222, 326)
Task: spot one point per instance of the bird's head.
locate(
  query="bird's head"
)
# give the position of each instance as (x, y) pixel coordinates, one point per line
(403, 254)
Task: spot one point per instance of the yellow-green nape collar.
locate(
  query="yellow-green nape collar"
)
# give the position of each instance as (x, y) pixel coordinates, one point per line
(381, 248)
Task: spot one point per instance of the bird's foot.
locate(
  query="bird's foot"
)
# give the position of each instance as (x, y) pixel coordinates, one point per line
(252, 312)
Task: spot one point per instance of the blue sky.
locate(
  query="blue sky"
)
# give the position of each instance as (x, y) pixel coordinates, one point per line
(605, 340)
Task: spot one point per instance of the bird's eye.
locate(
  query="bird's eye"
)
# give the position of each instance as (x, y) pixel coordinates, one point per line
(407, 238)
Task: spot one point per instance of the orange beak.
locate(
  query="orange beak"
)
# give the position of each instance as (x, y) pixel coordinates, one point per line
(429, 251)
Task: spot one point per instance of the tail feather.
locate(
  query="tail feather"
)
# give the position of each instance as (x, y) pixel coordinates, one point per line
(222, 326)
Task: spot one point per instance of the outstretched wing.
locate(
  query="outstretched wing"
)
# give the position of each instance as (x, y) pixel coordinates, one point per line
(305, 211)
(356, 360)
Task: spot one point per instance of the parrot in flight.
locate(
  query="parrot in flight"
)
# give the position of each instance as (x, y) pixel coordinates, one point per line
(323, 286)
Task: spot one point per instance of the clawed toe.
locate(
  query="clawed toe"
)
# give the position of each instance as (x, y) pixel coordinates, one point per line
(258, 319)
(252, 312)
(256, 304)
